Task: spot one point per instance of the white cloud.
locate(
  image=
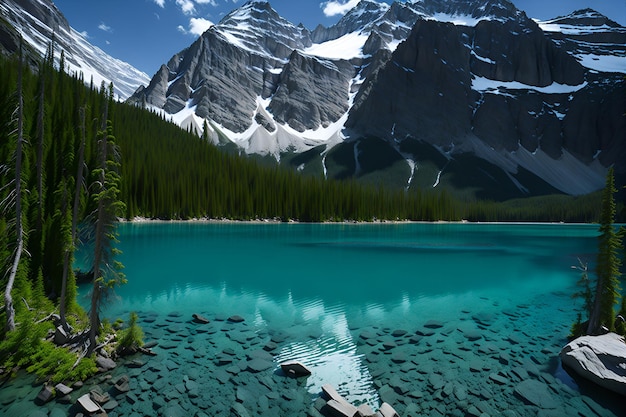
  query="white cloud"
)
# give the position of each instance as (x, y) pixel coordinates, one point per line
(187, 6)
(104, 27)
(333, 8)
(160, 3)
(211, 2)
(85, 34)
(198, 26)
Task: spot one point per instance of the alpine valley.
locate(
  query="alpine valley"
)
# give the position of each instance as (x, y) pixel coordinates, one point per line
(469, 96)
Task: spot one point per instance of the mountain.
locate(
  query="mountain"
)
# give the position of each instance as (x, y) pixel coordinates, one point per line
(38, 21)
(472, 96)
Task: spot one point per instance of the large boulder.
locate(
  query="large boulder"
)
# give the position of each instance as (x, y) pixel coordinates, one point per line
(601, 359)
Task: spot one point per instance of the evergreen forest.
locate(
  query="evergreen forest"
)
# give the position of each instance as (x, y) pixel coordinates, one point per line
(73, 161)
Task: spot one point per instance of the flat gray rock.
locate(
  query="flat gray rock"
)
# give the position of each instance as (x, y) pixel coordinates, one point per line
(536, 393)
(486, 319)
(258, 365)
(600, 359)
(425, 332)
(498, 379)
(236, 319)
(105, 363)
(433, 324)
(88, 404)
(472, 335)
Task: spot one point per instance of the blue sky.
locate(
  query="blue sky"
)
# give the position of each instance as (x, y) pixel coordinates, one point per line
(146, 33)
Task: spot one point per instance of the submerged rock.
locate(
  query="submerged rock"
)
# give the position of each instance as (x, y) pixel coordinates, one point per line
(258, 365)
(198, 318)
(295, 368)
(536, 393)
(600, 359)
(433, 324)
(236, 319)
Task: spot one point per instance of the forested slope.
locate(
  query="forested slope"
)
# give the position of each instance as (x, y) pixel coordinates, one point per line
(168, 173)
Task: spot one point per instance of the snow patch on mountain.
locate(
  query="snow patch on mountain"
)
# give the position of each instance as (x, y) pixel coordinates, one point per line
(347, 46)
(553, 26)
(458, 20)
(603, 63)
(493, 86)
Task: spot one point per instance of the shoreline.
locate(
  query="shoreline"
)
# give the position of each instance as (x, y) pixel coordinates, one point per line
(206, 220)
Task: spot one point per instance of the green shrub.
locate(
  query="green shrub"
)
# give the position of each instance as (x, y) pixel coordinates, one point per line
(131, 338)
(57, 364)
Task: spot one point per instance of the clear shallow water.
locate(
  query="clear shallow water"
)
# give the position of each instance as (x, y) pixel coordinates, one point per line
(351, 302)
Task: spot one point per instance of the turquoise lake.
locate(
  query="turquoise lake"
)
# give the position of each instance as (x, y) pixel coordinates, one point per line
(435, 319)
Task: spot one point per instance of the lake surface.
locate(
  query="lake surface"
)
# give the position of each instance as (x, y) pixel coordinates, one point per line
(435, 319)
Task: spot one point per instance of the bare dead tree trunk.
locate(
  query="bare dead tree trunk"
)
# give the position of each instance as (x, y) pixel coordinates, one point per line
(8, 299)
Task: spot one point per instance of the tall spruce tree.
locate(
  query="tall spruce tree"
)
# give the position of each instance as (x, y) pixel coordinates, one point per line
(67, 257)
(107, 271)
(608, 263)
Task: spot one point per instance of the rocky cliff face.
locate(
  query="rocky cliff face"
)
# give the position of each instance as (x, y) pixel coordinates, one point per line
(311, 92)
(466, 95)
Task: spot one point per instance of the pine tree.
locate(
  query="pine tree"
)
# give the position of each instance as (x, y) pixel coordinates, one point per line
(63, 301)
(608, 263)
(106, 270)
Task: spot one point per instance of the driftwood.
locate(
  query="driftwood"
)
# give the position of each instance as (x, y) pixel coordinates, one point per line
(80, 357)
(48, 317)
(147, 351)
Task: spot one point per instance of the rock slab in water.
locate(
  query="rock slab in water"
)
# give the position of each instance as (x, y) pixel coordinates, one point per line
(536, 393)
(236, 319)
(88, 404)
(198, 318)
(295, 368)
(600, 359)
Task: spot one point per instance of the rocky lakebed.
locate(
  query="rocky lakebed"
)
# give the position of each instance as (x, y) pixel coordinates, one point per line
(485, 363)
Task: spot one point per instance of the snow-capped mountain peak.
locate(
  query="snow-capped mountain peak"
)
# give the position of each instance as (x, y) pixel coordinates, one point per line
(39, 20)
(257, 27)
(388, 84)
(596, 41)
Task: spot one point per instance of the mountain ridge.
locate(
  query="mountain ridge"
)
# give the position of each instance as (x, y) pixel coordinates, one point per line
(478, 78)
(39, 21)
